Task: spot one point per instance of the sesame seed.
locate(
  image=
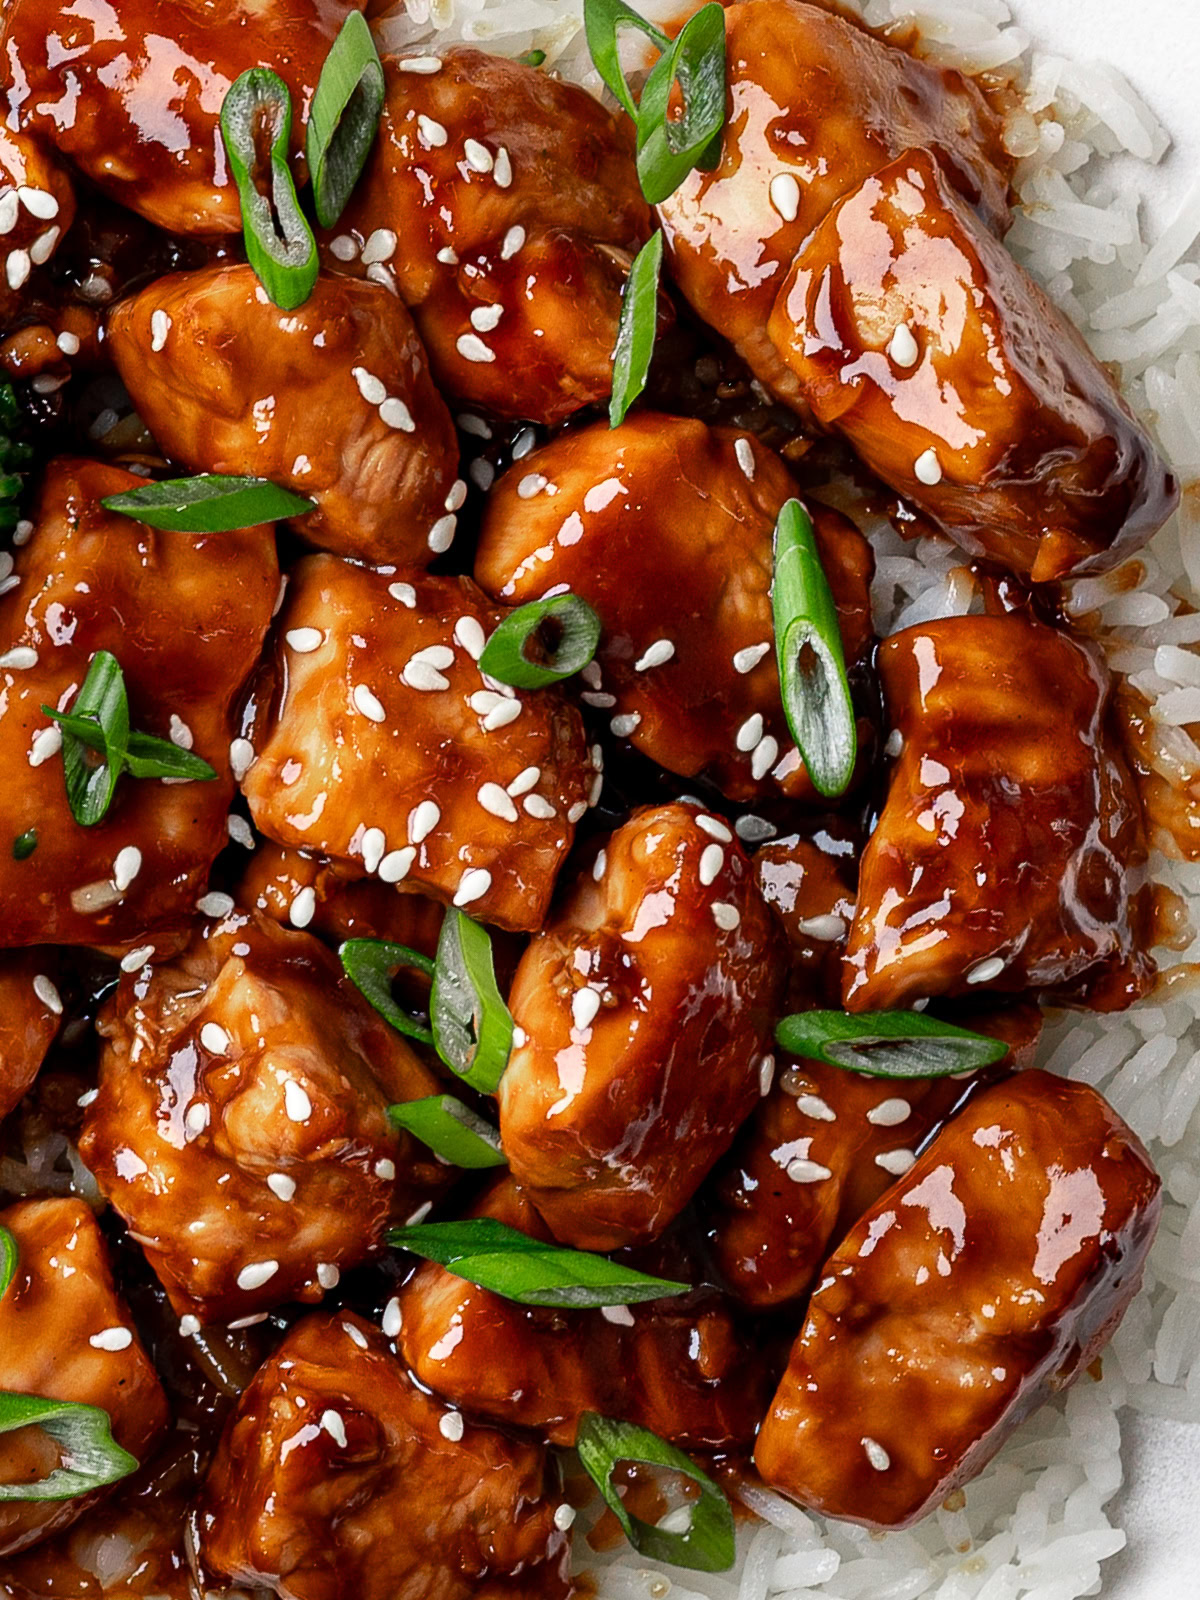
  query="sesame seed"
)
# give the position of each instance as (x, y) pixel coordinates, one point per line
(214, 1038)
(328, 1276)
(450, 1426)
(137, 959)
(525, 780)
(47, 742)
(659, 653)
(533, 483)
(625, 724)
(577, 812)
(393, 1320)
(38, 202)
(126, 867)
(897, 1162)
(21, 659)
(422, 820)
(380, 246)
(602, 702)
(749, 735)
(302, 908)
(431, 133)
(473, 885)
(160, 327)
(305, 640)
(241, 758)
(385, 1170)
(903, 349)
(479, 157)
(785, 195)
(523, 444)
(372, 389)
(68, 343)
(744, 452)
(468, 632)
(824, 929)
(876, 1454)
(374, 844)
(475, 426)
(397, 415)
(396, 864)
(456, 499)
(405, 593)
(501, 715)
(48, 994)
(17, 268)
(344, 247)
(725, 916)
(895, 743)
(714, 827)
(425, 65)
(355, 1335)
(928, 468)
(803, 1171)
(811, 1105)
(482, 701)
(485, 318)
(368, 703)
(746, 660)
(296, 1102)
(513, 240)
(621, 1316)
(597, 757)
(889, 1113)
(332, 1424)
(564, 1517)
(766, 1075)
(986, 970)
(280, 1185)
(189, 1325)
(9, 210)
(539, 807)
(599, 865)
(472, 348)
(111, 1339)
(180, 733)
(711, 863)
(196, 1119)
(47, 383)
(88, 1097)
(585, 1003)
(441, 535)
(438, 656)
(502, 169)
(256, 1274)
(495, 800)
(596, 789)
(764, 756)
(447, 256)
(23, 531)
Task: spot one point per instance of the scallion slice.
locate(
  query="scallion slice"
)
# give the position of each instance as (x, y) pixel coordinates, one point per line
(636, 330)
(279, 242)
(8, 1260)
(603, 21)
(531, 58)
(708, 1545)
(94, 1458)
(578, 628)
(25, 844)
(669, 148)
(145, 755)
(808, 649)
(371, 965)
(344, 117)
(451, 1130)
(888, 1044)
(210, 503)
(529, 1271)
(472, 1027)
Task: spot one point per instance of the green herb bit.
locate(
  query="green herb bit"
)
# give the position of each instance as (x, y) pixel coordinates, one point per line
(25, 844)
(210, 503)
(371, 965)
(344, 118)
(888, 1044)
(451, 1130)
(472, 1027)
(93, 1457)
(578, 628)
(636, 330)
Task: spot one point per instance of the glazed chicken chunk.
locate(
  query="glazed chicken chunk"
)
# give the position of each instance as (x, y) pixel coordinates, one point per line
(1009, 851)
(65, 1334)
(333, 401)
(130, 91)
(676, 1366)
(810, 885)
(989, 1277)
(241, 1124)
(338, 1476)
(644, 1011)
(31, 1012)
(377, 741)
(92, 580)
(503, 205)
(665, 527)
(37, 207)
(814, 105)
(915, 335)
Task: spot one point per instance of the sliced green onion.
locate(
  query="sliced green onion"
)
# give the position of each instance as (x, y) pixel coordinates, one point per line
(529, 1271)
(504, 655)
(8, 1260)
(371, 965)
(531, 58)
(603, 21)
(708, 1545)
(636, 330)
(146, 756)
(808, 649)
(451, 1130)
(669, 148)
(210, 503)
(344, 117)
(94, 1458)
(279, 242)
(25, 844)
(472, 1027)
(888, 1044)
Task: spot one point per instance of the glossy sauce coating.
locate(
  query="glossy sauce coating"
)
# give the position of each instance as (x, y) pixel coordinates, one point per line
(814, 104)
(810, 885)
(65, 1334)
(675, 1366)
(30, 1017)
(377, 741)
(93, 580)
(665, 527)
(338, 1476)
(130, 91)
(513, 271)
(241, 1123)
(333, 401)
(37, 207)
(987, 1278)
(1009, 852)
(645, 1008)
(1003, 427)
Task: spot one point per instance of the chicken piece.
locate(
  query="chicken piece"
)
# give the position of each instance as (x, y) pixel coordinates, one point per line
(380, 743)
(678, 1366)
(644, 1012)
(1009, 850)
(37, 207)
(66, 1335)
(516, 205)
(987, 1279)
(333, 401)
(92, 580)
(130, 91)
(338, 1476)
(241, 1123)
(811, 884)
(913, 333)
(30, 1017)
(665, 527)
(814, 105)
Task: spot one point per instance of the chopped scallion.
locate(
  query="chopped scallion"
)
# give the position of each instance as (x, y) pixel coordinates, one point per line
(531, 58)
(668, 148)
(636, 330)
(25, 844)
(92, 1456)
(451, 1130)
(578, 628)
(603, 21)
(888, 1044)
(371, 965)
(8, 1260)
(472, 1027)
(210, 503)
(344, 117)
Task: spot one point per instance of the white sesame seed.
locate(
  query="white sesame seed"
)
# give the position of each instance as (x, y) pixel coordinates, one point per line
(354, 1334)
(746, 660)
(564, 1517)
(126, 867)
(502, 169)
(625, 724)
(9, 210)
(621, 1316)
(111, 1339)
(596, 789)
(725, 916)
(501, 715)
(897, 1162)
(137, 959)
(928, 468)
(422, 820)
(895, 743)
(68, 343)
(714, 827)
(374, 845)
(372, 389)
(248, 1322)
(903, 349)
(876, 1454)
(513, 240)
(811, 1105)
(986, 970)
(539, 807)
(20, 659)
(749, 735)
(328, 1276)
(368, 703)
(744, 452)
(214, 1039)
(447, 256)
(785, 195)
(479, 157)
(425, 65)
(47, 742)
(405, 593)
(380, 246)
(332, 1424)
(475, 426)
(824, 929)
(585, 1003)
(256, 1274)
(17, 268)
(302, 908)
(180, 733)
(38, 202)
(438, 656)
(599, 865)
(241, 758)
(456, 499)
(280, 1185)
(23, 531)
(296, 1103)
(485, 318)
(523, 444)
(396, 864)
(472, 348)
(160, 327)
(711, 862)
(189, 1326)
(432, 135)
(482, 701)
(889, 1113)
(196, 1119)
(385, 1170)
(47, 383)
(533, 483)
(468, 632)
(393, 1320)
(305, 640)
(450, 1426)
(397, 415)
(577, 812)
(803, 1171)
(602, 702)
(89, 1097)
(441, 535)
(495, 800)
(344, 247)
(525, 780)
(473, 885)
(766, 1075)
(48, 994)
(659, 653)
(763, 759)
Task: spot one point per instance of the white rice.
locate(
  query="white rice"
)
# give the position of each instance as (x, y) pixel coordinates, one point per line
(1034, 1525)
